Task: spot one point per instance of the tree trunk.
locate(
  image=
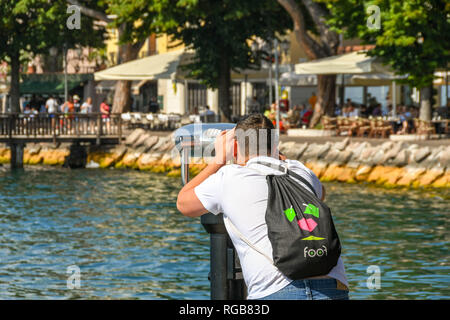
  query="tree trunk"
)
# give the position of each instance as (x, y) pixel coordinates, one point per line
(122, 94)
(326, 97)
(325, 46)
(14, 91)
(224, 89)
(426, 95)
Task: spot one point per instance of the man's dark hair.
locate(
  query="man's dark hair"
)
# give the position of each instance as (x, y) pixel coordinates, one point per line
(258, 127)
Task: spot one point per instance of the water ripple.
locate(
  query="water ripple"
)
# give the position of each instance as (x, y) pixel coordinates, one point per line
(123, 230)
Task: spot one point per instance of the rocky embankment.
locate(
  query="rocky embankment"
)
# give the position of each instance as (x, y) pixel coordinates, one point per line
(389, 164)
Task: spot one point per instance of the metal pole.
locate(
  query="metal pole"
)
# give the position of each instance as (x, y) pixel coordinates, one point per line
(186, 102)
(270, 82)
(446, 88)
(65, 72)
(277, 98)
(245, 94)
(394, 102)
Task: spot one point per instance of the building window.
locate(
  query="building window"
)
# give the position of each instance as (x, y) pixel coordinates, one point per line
(260, 90)
(236, 99)
(196, 97)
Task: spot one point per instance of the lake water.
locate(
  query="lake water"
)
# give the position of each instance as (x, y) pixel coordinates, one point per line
(122, 229)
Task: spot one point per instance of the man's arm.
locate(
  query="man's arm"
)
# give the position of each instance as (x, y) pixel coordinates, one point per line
(188, 203)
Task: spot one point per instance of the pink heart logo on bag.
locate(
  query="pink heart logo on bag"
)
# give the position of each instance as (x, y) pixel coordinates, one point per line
(307, 224)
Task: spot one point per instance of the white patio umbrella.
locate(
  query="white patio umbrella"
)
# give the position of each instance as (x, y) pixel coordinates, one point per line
(357, 62)
(353, 63)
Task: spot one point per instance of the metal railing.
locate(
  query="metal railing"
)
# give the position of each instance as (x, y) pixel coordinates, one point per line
(60, 125)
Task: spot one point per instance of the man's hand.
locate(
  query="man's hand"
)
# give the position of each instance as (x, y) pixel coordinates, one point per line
(224, 147)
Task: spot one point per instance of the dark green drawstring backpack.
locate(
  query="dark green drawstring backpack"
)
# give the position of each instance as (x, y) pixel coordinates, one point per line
(300, 227)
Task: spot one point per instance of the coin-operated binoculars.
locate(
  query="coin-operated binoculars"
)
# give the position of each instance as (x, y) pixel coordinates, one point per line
(197, 140)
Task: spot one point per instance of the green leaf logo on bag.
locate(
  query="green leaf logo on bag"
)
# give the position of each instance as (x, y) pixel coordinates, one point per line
(290, 214)
(312, 209)
(305, 224)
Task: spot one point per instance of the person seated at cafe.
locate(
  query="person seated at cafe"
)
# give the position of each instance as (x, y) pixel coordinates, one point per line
(353, 111)
(377, 111)
(348, 103)
(363, 111)
(337, 111)
(294, 116)
(207, 115)
(414, 112)
(154, 106)
(389, 112)
(208, 112)
(345, 111)
(371, 102)
(271, 113)
(405, 118)
(306, 118)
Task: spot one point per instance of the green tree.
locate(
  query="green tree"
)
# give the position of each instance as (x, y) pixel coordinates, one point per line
(134, 21)
(413, 37)
(218, 30)
(221, 32)
(30, 27)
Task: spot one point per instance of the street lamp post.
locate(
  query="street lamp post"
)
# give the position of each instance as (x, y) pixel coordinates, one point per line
(270, 84)
(65, 71)
(277, 98)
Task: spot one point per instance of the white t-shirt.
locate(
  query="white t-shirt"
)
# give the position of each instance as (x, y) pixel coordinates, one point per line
(240, 193)
(51, 104)
(86, 108)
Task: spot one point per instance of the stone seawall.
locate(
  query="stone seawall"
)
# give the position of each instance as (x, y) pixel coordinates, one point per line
(390, 164)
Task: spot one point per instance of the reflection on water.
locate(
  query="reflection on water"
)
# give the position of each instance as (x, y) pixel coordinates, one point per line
(403, 232)
(123, 230)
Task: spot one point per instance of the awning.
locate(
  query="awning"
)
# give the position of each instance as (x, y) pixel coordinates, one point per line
(294, 79)
(165, 66)
(374, 80)
(110, 85)
(350, 63)
(159, 66)
(357, 80)
(51, 83)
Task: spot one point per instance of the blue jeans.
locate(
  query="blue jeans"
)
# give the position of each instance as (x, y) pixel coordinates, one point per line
(310, 289)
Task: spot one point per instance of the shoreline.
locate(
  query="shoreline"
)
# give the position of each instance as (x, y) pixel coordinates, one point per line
(350, 160)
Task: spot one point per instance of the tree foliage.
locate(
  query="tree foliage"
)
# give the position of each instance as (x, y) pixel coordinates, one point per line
(413, 38)
(35, 26)
(220, 32)
(30, 27)
(221, 29)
